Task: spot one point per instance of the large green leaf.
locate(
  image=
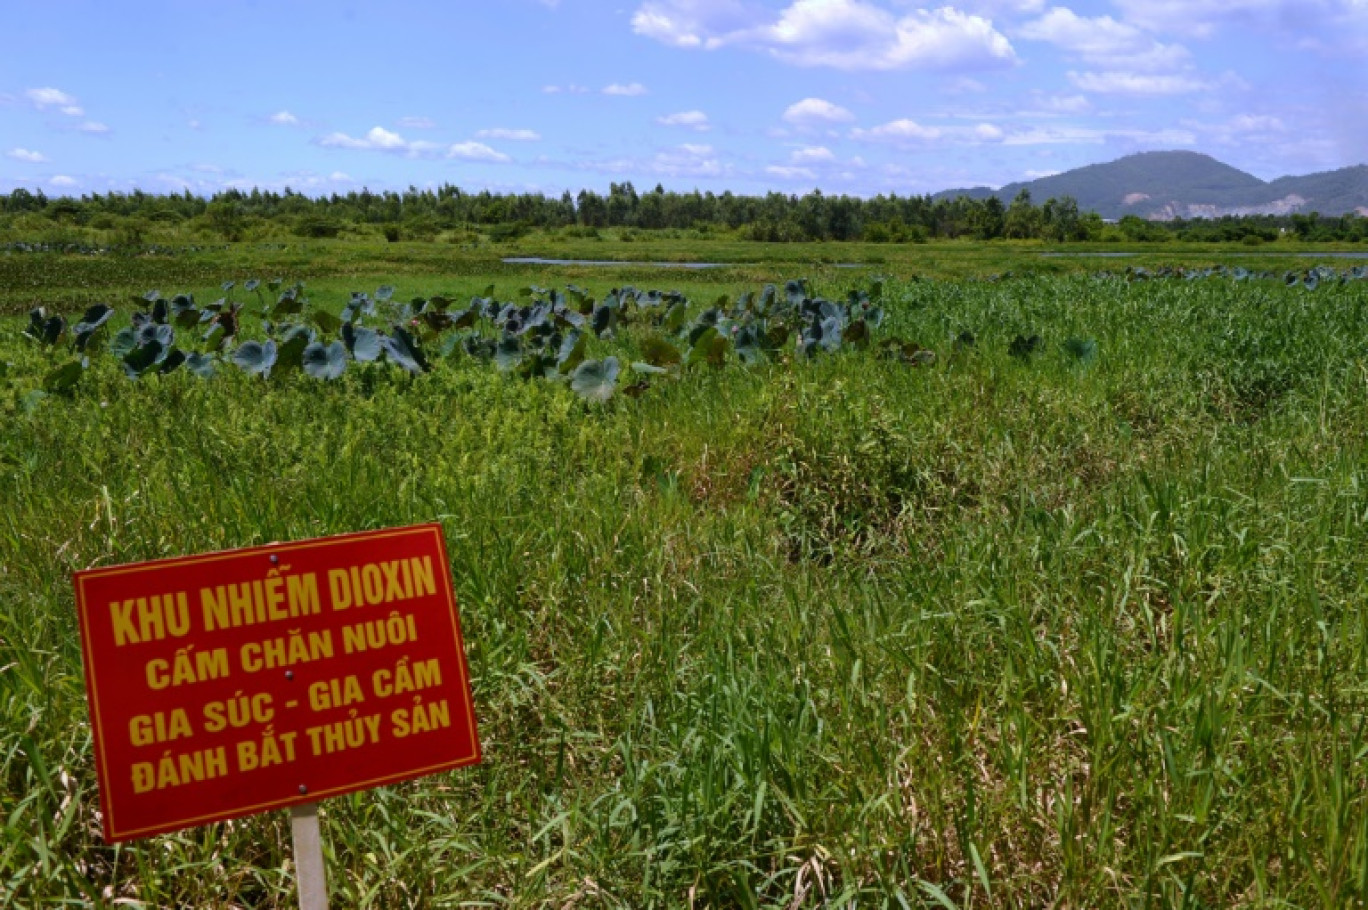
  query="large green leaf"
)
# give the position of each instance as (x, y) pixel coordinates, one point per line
(604, 320)
(93, 318)
(402, 349)
(363, 343)
(596, 380)
(289, 302)
(508, 353)
(747, 343)
(709, 347)
(857, 335)
(326, 321)
(174, 358)
(1022, 347)
(142, 358)
(187, 318)
(162, 334)
(325, 361)
(1083, 350)
(202, 365)
(43, 328)
(571, 353)
(674, 318)
(832, 331)
(290, 354)
(64, 377)
(659, 352)
(256, 357)
(125, 341)
(775, 339)
(88, 331)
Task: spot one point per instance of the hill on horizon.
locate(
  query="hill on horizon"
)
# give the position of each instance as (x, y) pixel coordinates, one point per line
(1166, 185)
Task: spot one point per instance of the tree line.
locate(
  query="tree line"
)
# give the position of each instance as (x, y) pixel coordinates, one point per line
(416, 214)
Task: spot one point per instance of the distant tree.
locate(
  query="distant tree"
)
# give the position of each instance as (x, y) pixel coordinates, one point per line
(1023, 220)
(989, 220)
(225, 219)
(1061, 220)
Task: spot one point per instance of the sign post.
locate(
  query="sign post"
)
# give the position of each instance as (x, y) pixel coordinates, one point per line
(308, 853)
(227, 684)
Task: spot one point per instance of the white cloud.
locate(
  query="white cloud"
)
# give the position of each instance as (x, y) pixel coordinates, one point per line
(306, 181)
(1126, 83)
(570, 89)
(1257, 123)
(1066, 104)
(379, 139)
(814, 154)
(1103, 41)
(1001, 8)
(900, 131)
(787, 172)
(475, 151)
(44, 98)
(963, 85)
(1203, 18)
(811, 111)
(689, 160)
(853, 35)
(695, 23)
(283, 118)
(630, 90)
(64, 181)
(1261, 131)
(28, 155)
(1069, 135)
(841, 34)
(417, 123)
(91, 126)
(509, 135)
(693, 120)
(910, 133)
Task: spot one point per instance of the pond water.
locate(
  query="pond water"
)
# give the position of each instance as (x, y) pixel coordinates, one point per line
(605, 263)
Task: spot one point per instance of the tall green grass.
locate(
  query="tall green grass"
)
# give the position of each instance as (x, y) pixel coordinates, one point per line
(844, 632)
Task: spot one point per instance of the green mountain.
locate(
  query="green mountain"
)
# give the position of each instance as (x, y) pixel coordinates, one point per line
(1163, 185)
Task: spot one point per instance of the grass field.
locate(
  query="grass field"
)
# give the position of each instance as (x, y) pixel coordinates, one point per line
(71, 282)
(995, 631)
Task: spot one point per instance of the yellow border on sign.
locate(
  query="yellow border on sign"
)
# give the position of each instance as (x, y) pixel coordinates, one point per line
(92, 683)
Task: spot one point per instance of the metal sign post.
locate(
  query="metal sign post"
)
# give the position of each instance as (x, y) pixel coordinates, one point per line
(308, 857)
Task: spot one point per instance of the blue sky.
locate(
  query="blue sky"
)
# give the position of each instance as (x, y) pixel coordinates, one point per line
(849, 96)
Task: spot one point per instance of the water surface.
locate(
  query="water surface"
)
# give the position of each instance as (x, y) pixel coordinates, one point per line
(605, 263)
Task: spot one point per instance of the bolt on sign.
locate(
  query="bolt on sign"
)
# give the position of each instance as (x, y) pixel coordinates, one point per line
(232, 683)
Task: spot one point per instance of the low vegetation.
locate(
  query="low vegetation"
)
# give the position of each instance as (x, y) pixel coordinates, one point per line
(1050, 591)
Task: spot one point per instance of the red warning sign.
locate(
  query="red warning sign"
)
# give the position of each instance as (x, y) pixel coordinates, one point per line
(231, 683)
